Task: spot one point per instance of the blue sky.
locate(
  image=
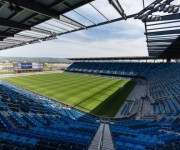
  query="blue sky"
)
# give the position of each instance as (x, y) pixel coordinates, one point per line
(125, 38)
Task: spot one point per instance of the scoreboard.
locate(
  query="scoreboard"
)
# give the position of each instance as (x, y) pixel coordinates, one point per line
(28, 66)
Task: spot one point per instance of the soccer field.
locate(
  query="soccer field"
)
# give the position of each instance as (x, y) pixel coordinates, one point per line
(97, 95)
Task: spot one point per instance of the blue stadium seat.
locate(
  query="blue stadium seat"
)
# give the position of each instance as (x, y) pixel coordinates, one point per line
(39, 124)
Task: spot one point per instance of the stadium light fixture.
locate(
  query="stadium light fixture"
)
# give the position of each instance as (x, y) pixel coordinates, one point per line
(150, 7)
(171, 9)
(156, 8)
(153, 18)
(158, 5)
(176, 9)
(162, 6)
(149, 18)
(166, 9)
(144, 17)
(140, 17)
(157, 18)
(118, 7)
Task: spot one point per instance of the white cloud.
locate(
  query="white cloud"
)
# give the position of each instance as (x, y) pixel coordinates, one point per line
(124, 38)
(72, 48)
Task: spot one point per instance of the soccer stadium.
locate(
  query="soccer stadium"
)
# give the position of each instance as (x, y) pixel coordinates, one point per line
(90, 103)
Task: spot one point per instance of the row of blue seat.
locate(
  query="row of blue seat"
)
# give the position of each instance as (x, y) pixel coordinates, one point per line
(133, 68)
(18, 140)
(3, 106)
(18, 119)
(142, 135)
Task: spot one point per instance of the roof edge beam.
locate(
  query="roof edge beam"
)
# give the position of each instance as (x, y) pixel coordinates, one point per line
(14, 25)
(40, 9)
(118, 7)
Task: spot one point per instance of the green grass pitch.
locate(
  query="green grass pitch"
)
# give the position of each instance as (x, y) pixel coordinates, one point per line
(97, 95)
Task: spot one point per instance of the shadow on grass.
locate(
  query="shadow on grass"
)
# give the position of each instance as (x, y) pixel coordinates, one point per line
(112, 104)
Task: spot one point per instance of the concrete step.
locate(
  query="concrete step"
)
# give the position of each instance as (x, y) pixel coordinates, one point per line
(107, 139)
(95, 142)
(104, 137)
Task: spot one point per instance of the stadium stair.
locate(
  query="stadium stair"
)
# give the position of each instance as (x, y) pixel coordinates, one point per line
(29, 121)
(95, 144)
(103, 139)
(107, 139)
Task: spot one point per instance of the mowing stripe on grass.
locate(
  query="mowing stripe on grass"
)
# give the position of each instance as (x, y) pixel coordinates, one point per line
(87, 93)
(112, 104)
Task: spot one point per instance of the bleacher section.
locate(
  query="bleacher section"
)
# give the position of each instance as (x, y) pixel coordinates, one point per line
(132, 103)
(162, 84)
(40, 124)
(120, 68)
(32, 122)
(165, 91)
(142, 135)
(54, 126)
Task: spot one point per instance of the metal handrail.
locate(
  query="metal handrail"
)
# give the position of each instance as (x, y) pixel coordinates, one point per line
(101, 139)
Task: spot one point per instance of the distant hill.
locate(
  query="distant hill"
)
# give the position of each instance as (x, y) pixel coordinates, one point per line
(34, 59)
